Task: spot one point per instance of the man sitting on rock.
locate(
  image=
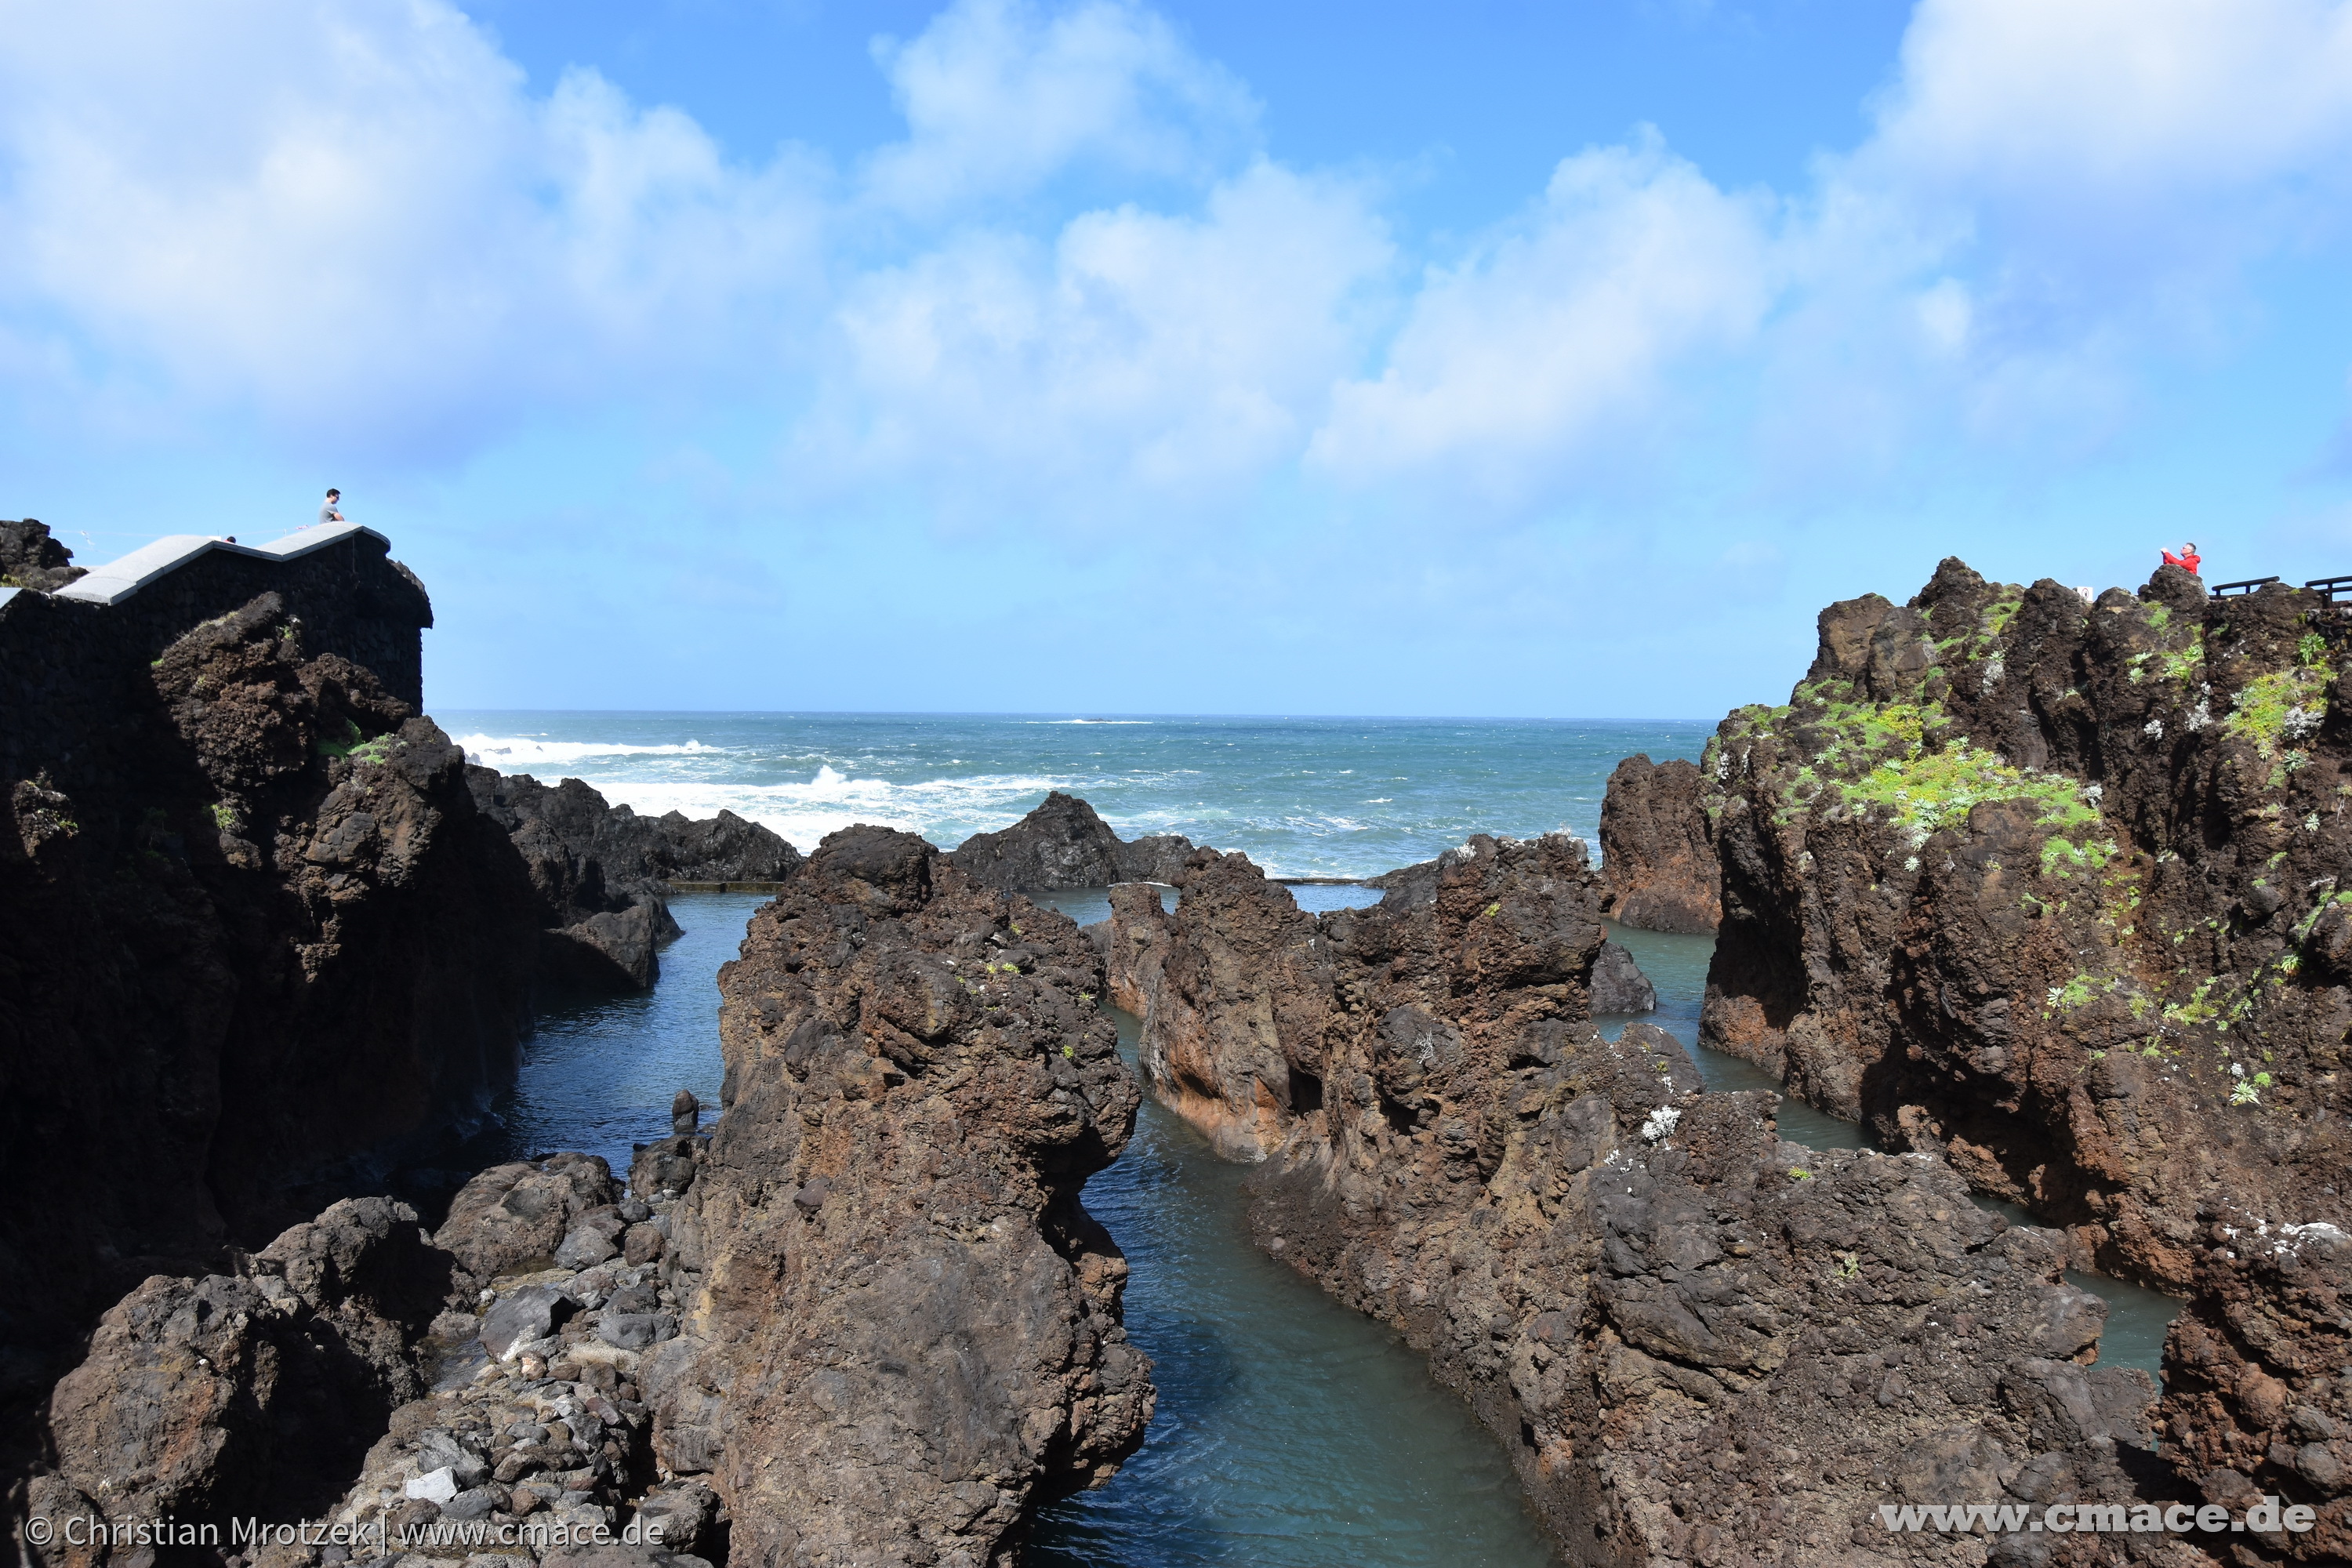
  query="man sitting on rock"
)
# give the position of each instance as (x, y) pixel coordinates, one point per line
(332, 512)
(2186, 560)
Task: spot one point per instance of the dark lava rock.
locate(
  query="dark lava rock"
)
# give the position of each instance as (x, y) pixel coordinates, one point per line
(1657, 863)
(668, 1165)
(257, 930)
(2052, 889)
(721, 849)
(29, 558)
(1064, 844)
(1155, 857)
(2257, 1398)
(602, 871)
(513, 1217)
(951, 1083)
(250, 1395)
(1618, 984)
(1061, 844)
(521, 1316)
(1698, 1343)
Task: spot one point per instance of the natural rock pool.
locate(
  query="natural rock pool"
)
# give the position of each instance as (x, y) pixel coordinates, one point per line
(1290, 1430)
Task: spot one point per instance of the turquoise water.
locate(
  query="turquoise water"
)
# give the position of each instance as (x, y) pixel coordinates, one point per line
(1291, 1432)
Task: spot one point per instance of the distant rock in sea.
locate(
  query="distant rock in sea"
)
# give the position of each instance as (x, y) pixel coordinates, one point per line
(1064, 843)
(601, 870)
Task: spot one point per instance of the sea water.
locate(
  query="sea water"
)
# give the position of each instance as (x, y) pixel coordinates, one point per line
(1346, 797)
(1289, 1429)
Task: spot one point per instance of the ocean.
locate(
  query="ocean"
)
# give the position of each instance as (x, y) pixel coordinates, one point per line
(1302, 797)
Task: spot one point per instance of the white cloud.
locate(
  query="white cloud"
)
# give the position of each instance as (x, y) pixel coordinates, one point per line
(2118, 101)
(1138, 357)
(354, 216)
(2058, 202)
(999, 95)
(1565, 326)
(357, 217)
(2105, 169)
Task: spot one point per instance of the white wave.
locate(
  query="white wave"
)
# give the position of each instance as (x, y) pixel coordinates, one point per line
(946, 810)
(509, 753)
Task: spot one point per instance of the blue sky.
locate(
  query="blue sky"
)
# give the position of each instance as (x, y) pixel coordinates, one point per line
(1477, 359)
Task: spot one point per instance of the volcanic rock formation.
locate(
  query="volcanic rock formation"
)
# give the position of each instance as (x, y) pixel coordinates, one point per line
(2057, 890)
(2257, 1400)
(1657, 863)
(249, 1395)
(907, 1334)
(1698, 1343)
(389, 1394)
(29, 558)
(1064, 844)
(601, 870)
(254, 932)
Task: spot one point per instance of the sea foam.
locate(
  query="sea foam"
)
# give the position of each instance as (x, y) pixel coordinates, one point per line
(512, 754)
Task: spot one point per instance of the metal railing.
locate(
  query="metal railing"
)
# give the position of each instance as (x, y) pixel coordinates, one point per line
(2228, 590)
(2335, 590)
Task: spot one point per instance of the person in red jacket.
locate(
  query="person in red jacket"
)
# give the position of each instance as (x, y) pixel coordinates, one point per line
(2186, 560)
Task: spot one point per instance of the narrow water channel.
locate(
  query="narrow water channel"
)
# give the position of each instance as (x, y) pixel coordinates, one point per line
(1290, 1430)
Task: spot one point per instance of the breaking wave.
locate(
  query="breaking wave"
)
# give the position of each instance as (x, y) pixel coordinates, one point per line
(510, 754)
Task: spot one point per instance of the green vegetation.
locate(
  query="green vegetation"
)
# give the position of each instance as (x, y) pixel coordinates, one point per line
(2076, 992)
(2058, 853)
(351, 740)
(1994, 624)
(2282, 706)
(1799, 1173)
(1932, 790)
(223, 817)
(2200, 1007)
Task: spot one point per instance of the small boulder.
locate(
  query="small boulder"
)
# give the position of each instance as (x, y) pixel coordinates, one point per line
(642, 1244)
(1619, 985)
(521, 1316)
(583, 1247)
(684, 1114)
(514, 1215)
(474, 1502)
(663, 1166)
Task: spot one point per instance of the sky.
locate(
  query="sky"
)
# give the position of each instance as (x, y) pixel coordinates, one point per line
(1493, 358)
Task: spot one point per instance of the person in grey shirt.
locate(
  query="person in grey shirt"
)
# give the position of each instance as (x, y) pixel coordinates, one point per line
(328, 513)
